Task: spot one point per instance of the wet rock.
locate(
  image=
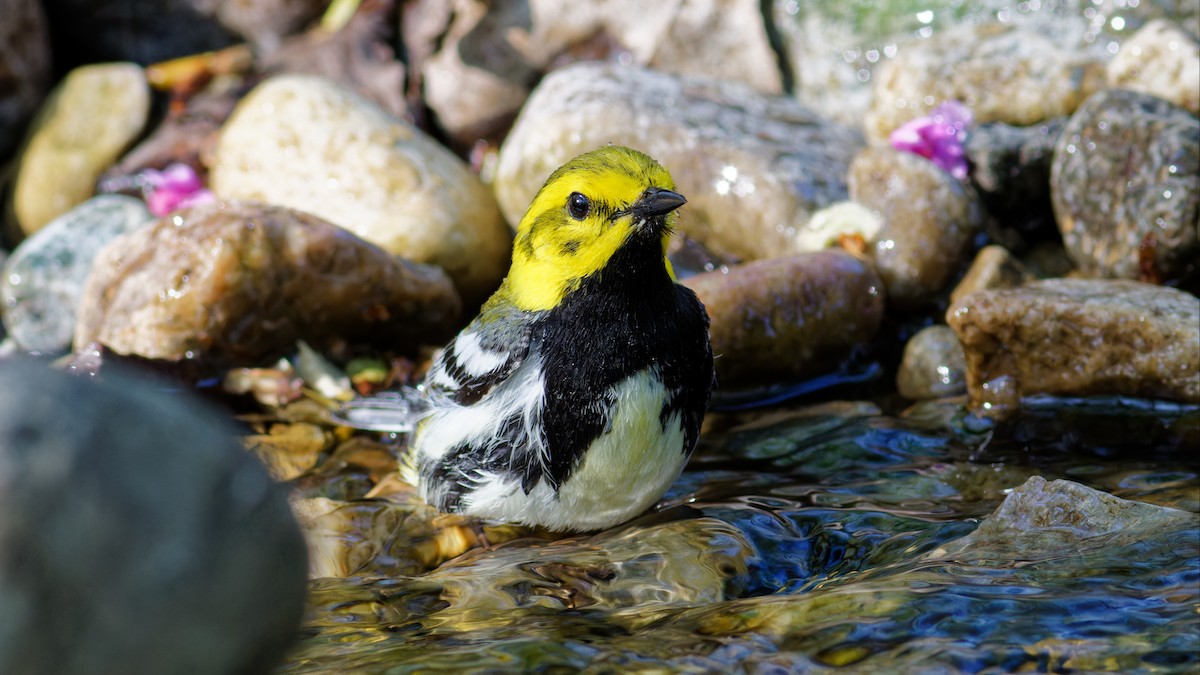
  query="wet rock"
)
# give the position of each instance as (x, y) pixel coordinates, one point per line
(493, 52)
(1161, 59)
(93, 115)
(140, 529)
(1010, 169)
(1078, 337)
(41, 285)
(309, 144)
(1062, 516)
(994, 267)
(24, 67)
(789, 317)
(1002, 72)
(1126, 187)
(754, 168)
(929, 220)
(933, 365)
(234, 283)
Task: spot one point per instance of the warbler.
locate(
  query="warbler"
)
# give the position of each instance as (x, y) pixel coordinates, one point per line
(574, 399)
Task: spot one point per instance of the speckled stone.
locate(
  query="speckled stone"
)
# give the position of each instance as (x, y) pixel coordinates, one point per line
(929, 219)
(1127, 170)
(993, 267)
(42, 283)
(754, 168)
(309, 144)
(788, 317)
(1161, 59)
(234, 283)
(933, 365)
(1002, 72)
(89, 119)
(1078, 337)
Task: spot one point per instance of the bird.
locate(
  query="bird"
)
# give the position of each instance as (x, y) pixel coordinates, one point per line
(574, 399)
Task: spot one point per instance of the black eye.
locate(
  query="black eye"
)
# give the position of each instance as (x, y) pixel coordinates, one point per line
(578, 206)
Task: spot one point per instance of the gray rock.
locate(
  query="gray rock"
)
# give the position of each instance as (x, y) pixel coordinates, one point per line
(929, 219)
(42, 283)
(993, 267)
(89, 119)
(790, 317)
(234, 283)
(933, 365)
(307, 143)
(24, 67)
(754, 168)
(1163, 60)
(1003, 72)
(1010, 169)
(1041, 518)
(1126, 187)
(493, 52)
(1078, 337)
(136, 536)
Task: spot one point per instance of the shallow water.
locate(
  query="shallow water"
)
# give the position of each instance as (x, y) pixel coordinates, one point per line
(817, 538)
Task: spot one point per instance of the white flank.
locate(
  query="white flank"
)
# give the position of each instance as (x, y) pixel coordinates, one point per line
(473, 358)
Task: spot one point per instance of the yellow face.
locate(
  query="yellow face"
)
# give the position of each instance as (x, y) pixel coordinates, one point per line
(578, 220)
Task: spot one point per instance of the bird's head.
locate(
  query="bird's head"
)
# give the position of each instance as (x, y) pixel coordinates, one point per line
(588, 210)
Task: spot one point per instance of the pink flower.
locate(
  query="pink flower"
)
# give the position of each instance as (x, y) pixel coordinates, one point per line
(938, 137)
(175, 187)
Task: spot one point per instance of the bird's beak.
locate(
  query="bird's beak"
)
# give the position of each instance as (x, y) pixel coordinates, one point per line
(657, 202)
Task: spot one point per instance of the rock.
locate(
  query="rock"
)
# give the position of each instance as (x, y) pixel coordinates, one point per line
(134, 523)
(1078, 337)
(493, 52)
(787, 318)
(994, 267)
(933, 365)
(754, 168)
(1061, 516)
(309, 144)
(1002, 72)
(1010, 170)
(1125, 178)
(833, 224)
(42, 283)
(265, 22)
(91, 117)
(235, 283)
(141, 31)
(929, 220)
(24, 67)
(1162, 60)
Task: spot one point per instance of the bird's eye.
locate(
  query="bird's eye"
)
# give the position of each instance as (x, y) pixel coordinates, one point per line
(578, 206)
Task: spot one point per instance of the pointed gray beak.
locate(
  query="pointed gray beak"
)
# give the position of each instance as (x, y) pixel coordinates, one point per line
(657, 202)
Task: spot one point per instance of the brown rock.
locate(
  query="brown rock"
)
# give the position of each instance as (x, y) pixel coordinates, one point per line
(994, 267)
(932, 366)
(789, 317)
(233, 283)
(1078, 337)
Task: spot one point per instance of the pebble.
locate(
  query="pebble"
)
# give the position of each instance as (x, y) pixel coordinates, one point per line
(993, 267)
(89, 119)
(1078, 337)
(42, 283)
(754, 168)
(24, 67)
(492, 53)
(930, 219)
(933, 365)
(1002, 72)
(136, 529)
(307, 143)
(235, 283)
(1161, 59)
(1126, 177)
(788, 318)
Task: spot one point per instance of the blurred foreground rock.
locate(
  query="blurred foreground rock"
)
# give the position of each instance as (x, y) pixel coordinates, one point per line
(42, 283)
(786, 318)
(1078, 337)
(136, 536)
(233, 283)
(309, 144)
(754, 168)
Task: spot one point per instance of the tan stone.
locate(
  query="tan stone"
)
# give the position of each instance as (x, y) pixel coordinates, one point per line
(993, 267)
